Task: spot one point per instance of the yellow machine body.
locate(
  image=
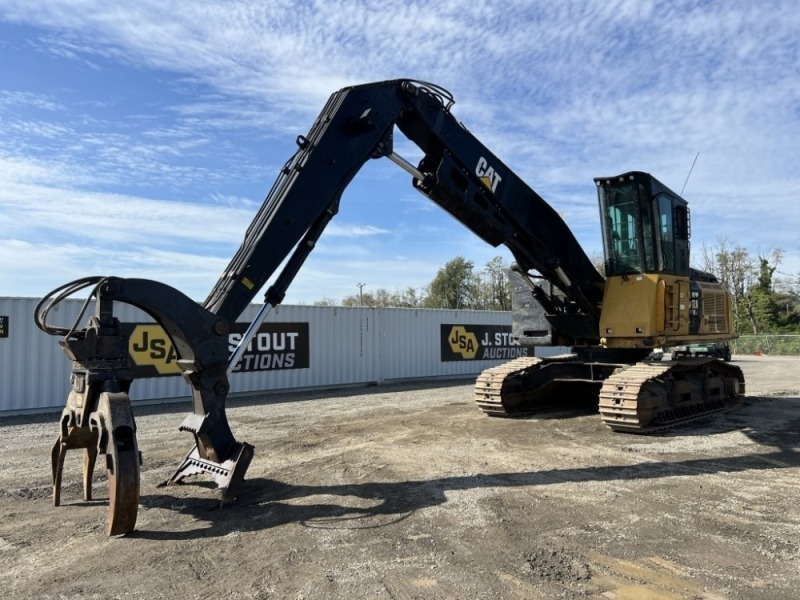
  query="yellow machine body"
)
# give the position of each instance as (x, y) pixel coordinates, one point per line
(649, 310)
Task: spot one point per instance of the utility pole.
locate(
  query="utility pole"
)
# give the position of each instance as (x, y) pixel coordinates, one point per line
(361, 293)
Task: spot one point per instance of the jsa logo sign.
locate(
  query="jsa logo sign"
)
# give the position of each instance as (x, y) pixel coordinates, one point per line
(275, 346)
(479, 342)
(488, 175)
(463, 342)
(150, 346)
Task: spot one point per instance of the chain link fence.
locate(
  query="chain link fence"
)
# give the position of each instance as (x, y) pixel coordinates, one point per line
(778, 345)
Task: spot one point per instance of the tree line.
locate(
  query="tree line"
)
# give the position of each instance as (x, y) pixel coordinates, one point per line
(457, 285)
(764, 299)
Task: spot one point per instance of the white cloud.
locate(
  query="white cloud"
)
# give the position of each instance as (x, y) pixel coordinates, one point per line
(118, 219)
(350, 231)
(17, 98)
(21, 170)
(59, 233)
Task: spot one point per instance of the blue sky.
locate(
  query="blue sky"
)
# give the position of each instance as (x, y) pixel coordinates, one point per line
(138, 139)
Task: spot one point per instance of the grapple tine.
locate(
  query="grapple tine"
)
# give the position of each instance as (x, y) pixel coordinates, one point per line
(72, 438)
(57, 458)
(89, 460)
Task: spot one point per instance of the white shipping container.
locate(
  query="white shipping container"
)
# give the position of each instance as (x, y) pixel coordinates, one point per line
(347, 346)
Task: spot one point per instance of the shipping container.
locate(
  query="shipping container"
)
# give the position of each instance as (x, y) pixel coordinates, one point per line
(301, 347)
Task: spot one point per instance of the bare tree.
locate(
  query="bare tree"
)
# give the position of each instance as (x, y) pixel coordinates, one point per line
(748, 279)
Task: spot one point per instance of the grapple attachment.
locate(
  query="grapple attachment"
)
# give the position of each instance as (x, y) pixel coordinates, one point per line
(111, 431)
(98, 416)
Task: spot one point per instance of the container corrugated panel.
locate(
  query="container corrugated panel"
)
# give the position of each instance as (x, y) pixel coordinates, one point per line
(411, 342)
(33, 373)
(346, 346)
(342, 349)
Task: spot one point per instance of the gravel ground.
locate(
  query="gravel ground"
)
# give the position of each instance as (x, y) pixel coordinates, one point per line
(408, 491)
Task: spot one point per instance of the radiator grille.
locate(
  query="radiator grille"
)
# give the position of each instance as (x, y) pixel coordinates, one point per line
(715, 315)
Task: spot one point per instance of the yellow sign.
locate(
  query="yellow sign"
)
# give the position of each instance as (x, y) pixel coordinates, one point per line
(463, 342)
(149, 345)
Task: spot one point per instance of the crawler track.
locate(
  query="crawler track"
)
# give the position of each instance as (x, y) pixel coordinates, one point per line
(489, 386)
(648, 397)
(643, 397)
(531, 385)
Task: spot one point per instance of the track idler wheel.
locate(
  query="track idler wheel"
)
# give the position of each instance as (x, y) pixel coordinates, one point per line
(113, 421)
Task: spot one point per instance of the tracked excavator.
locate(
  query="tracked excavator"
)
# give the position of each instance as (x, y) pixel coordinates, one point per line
(649, 296)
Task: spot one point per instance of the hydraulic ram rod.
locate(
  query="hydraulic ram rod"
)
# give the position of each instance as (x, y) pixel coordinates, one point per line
(248, 335)
(406, 166)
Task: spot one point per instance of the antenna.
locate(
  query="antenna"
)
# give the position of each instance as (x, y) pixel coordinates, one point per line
(690, 173)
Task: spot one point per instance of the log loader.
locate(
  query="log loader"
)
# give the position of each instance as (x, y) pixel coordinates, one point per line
(648, 297)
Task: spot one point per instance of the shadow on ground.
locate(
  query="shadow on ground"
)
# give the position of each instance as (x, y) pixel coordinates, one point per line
(265, 503)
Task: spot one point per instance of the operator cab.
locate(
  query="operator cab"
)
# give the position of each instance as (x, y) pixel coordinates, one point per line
(645, 226)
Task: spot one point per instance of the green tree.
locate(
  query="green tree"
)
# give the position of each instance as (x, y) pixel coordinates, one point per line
(326, 302)
(787, 297)
(383, 298)
(408, 299)
(453, 286)
(456, 285)
(762, 301)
